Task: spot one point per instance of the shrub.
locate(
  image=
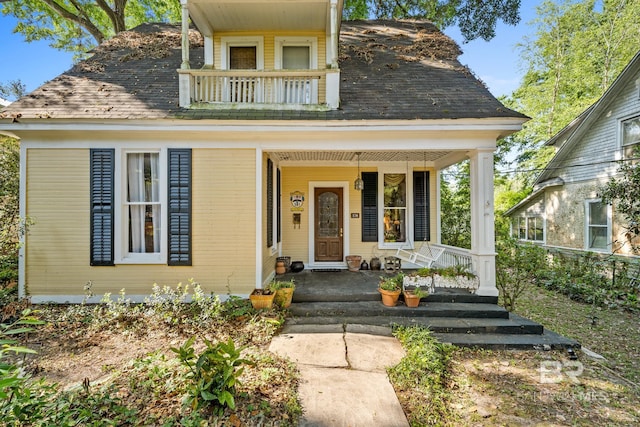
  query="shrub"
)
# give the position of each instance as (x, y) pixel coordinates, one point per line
(213, 375)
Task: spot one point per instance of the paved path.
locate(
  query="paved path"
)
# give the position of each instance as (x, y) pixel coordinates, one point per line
(343, 377)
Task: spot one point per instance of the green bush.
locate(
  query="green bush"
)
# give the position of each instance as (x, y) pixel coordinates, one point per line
(518, 266)
(213, 375)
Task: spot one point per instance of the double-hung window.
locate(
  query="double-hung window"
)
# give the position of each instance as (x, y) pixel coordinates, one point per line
(142, 206)
(394, 219)
(598, 225)
(297, 53)
(530, 228)
(630, 136)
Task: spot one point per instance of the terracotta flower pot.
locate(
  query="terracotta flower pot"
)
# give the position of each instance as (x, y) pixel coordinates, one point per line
(411, 299)
(389, 298)
(353, 262)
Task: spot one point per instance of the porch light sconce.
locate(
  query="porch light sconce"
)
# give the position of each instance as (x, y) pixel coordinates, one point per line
(358, 184)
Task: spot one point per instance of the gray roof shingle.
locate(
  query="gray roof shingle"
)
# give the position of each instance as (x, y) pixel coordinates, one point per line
(400, 70)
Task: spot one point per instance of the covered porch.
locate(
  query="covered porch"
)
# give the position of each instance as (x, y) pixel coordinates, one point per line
(365, 222)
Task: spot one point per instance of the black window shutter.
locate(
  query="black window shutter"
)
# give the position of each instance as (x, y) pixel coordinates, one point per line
(279, 203)
(421, 206)
(101, 166)
(269, 203)
(179, 209)
(370, 207)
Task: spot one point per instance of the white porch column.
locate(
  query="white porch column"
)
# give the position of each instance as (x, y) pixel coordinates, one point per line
(184, 79)
(483, 248)
(185, 35)
(208, 52)
(334, 34)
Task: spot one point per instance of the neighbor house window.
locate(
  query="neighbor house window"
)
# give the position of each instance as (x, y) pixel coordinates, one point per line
(630, 135)
(395, 207)
(598, 225)
(530, 228)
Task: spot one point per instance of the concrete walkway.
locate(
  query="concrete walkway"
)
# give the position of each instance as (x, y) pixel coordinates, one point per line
(343, 377)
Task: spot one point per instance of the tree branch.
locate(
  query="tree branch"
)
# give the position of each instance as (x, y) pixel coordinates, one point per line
(78, 19)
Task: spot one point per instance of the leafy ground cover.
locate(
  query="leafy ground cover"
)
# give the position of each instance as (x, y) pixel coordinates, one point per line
(135, 379)
(472, 387)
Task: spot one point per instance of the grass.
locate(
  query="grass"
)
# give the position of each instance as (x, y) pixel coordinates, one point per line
(445, 386)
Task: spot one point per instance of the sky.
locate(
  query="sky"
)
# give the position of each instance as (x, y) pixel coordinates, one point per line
(496, 62)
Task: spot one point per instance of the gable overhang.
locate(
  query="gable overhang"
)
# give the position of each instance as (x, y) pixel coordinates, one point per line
(211, 16)
(568, 137)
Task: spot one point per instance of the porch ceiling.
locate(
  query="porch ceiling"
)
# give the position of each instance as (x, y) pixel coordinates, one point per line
(259, 15)
(365, 156)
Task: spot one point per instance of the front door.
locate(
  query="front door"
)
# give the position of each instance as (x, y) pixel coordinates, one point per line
(328, 224)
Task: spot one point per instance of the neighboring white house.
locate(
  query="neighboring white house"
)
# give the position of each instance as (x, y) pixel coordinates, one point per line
(564, 210)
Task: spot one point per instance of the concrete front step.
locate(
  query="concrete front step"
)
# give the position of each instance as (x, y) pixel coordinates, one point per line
(346, 294)
(513, 325)
(547, 341)
(376, 308)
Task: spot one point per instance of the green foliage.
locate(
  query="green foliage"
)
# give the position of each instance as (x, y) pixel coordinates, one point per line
(623, 192)
(455, 205)
(518, 267)
(214, 374)
(393, 283)
(578, 49)
(426, 370)
(475, 19)
(12, 90)
(17, 398)
(281, 284)
(77, 26)
(605, 282)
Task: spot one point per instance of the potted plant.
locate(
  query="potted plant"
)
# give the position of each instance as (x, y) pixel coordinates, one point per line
(262, 298)
(413, 296)
(284, 292)
(390, 288)
(353, 262)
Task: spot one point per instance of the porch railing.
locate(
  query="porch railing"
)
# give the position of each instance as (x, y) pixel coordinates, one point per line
(299, 87)
(454, 256)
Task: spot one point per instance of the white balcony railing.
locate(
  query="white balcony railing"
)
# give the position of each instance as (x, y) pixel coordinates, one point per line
(251, 87)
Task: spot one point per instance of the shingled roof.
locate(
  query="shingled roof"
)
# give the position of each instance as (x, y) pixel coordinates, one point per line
(400, 70)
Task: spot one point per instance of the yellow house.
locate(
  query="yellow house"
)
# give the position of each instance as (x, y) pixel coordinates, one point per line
(268, 128)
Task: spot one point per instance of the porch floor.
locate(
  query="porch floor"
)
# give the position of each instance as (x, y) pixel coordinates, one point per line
(456, 316)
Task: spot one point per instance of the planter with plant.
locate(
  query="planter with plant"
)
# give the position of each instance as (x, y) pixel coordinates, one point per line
(413, 296)
(262, 298)
(390, 288)
(456, 276)
(283, 290)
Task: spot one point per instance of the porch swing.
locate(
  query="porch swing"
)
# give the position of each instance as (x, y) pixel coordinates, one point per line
(425, 255)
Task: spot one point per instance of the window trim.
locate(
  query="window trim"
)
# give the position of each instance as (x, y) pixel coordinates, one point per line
(121, 221)
(515, 228)
(311, 42)
(624, 148)
(587, 226)
(409, 207)
(241, 41)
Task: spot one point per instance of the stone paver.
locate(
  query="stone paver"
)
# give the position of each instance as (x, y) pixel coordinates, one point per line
(343, 379)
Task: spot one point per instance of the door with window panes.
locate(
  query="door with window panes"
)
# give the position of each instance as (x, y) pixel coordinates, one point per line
(242, 89)
(296, 91)
(329, 227)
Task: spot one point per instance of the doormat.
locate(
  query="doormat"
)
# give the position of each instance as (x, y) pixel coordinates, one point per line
(326, 270)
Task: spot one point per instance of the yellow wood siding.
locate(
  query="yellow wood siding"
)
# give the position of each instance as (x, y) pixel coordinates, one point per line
(269, 50)
(57, 246)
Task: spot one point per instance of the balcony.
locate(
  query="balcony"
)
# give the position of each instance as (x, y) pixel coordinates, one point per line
(256, 89)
